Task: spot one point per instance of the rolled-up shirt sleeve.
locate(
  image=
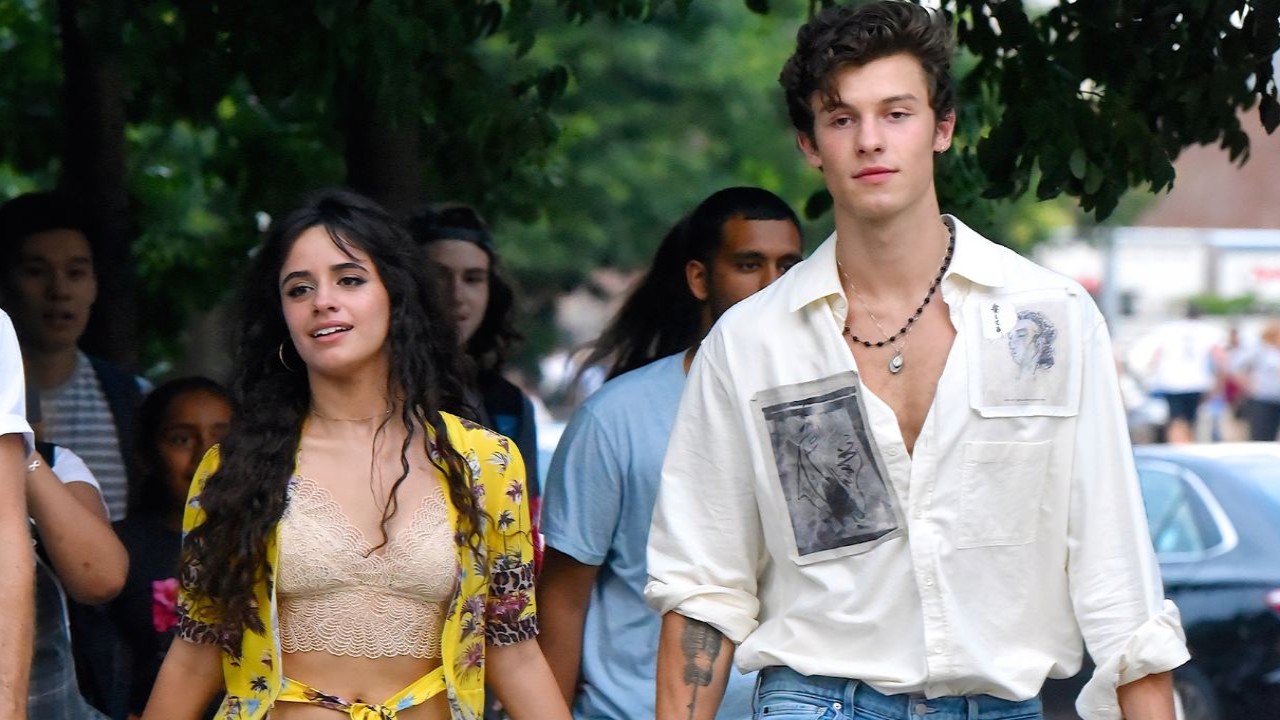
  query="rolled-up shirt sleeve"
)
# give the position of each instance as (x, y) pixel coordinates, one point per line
(511, 611)
(706, 539)
(1131, 631)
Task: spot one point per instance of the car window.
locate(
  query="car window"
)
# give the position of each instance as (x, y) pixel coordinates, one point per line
(1172, 512)
(1264, 474)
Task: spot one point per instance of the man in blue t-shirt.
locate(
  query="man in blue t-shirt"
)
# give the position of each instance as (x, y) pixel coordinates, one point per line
(597, 633)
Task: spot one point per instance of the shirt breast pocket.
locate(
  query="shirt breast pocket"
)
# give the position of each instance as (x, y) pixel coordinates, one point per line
(1002, 484)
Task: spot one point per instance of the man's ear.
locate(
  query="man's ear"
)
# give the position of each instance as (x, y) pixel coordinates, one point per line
(942, 133)
(695, 274)
(809, 146)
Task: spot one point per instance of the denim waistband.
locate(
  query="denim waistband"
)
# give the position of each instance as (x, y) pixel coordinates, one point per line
(843, 694)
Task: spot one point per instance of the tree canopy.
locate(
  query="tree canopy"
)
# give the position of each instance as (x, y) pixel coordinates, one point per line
(581, 128)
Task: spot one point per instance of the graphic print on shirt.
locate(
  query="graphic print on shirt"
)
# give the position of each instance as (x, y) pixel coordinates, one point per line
(837, 493)
(1027, 356)
(1032, 343)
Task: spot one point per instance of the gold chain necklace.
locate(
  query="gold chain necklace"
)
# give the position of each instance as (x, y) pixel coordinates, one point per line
(322, 416)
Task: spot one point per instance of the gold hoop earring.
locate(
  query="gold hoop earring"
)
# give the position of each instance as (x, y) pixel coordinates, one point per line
(280, 354)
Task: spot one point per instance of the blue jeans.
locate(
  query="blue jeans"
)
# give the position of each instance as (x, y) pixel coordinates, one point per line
(784, 694)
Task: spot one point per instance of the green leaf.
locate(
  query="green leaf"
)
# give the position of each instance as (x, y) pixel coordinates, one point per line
(1078, 163)
(817, 205)
(1093, 179)
(551, 84)
(1107, 199)
(1269, 111)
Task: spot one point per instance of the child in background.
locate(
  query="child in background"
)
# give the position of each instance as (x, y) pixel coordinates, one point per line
(176, 424)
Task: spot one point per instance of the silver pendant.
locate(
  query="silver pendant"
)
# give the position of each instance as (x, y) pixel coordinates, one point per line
(895, 365)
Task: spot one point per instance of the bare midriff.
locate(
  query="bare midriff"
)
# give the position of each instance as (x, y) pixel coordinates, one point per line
(357, 679)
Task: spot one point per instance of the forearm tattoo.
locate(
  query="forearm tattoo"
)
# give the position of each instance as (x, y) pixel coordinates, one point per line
(700, 644)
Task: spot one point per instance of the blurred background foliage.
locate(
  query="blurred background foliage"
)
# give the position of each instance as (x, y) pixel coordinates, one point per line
(581, 128)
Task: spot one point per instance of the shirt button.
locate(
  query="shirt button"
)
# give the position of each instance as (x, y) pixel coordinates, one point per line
(937, 649)
(928, 582)
(892, 452)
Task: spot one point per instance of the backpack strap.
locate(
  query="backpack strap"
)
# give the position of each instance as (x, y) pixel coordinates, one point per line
(123, 397)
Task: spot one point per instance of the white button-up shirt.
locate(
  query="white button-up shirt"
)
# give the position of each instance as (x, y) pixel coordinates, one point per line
(792, 518)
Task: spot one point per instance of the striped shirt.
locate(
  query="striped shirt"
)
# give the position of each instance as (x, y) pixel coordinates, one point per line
(77, 416)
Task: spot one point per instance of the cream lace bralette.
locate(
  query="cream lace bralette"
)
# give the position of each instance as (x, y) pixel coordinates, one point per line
(335, 599)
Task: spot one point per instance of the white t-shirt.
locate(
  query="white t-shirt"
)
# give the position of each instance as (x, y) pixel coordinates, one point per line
(70, 467)
(1182, 356)
(1262, 365)
(13, 386)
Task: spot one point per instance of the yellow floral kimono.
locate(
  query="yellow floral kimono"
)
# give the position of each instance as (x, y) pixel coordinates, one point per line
(493, 603)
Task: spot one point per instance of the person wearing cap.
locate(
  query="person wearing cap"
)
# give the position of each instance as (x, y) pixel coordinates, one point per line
(459, 242)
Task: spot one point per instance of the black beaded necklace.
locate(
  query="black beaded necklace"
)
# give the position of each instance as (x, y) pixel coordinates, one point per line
(896, 362)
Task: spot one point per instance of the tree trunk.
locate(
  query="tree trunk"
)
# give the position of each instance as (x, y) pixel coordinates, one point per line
(383, 157)
(93, 167)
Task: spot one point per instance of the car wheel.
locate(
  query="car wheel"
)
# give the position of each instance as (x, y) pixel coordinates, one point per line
(1196, 692)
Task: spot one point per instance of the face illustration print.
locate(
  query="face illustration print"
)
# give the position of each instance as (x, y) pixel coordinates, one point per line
(1031, 343)
(1025, 356)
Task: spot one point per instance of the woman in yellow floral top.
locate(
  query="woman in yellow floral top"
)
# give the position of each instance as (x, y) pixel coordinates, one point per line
(351, 549)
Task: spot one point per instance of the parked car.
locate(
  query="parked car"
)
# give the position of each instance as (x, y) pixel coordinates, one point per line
(1214, 515)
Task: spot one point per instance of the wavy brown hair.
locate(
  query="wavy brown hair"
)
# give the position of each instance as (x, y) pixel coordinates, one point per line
(245, 499)
(844, 36)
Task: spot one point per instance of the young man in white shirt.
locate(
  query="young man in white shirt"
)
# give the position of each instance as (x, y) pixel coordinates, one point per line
(900, 478)
(17, 561)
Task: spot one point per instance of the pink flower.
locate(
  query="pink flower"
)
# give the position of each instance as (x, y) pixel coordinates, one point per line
(164, 604)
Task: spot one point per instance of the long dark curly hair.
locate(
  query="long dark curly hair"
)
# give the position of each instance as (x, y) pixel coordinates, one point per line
(225, 557)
